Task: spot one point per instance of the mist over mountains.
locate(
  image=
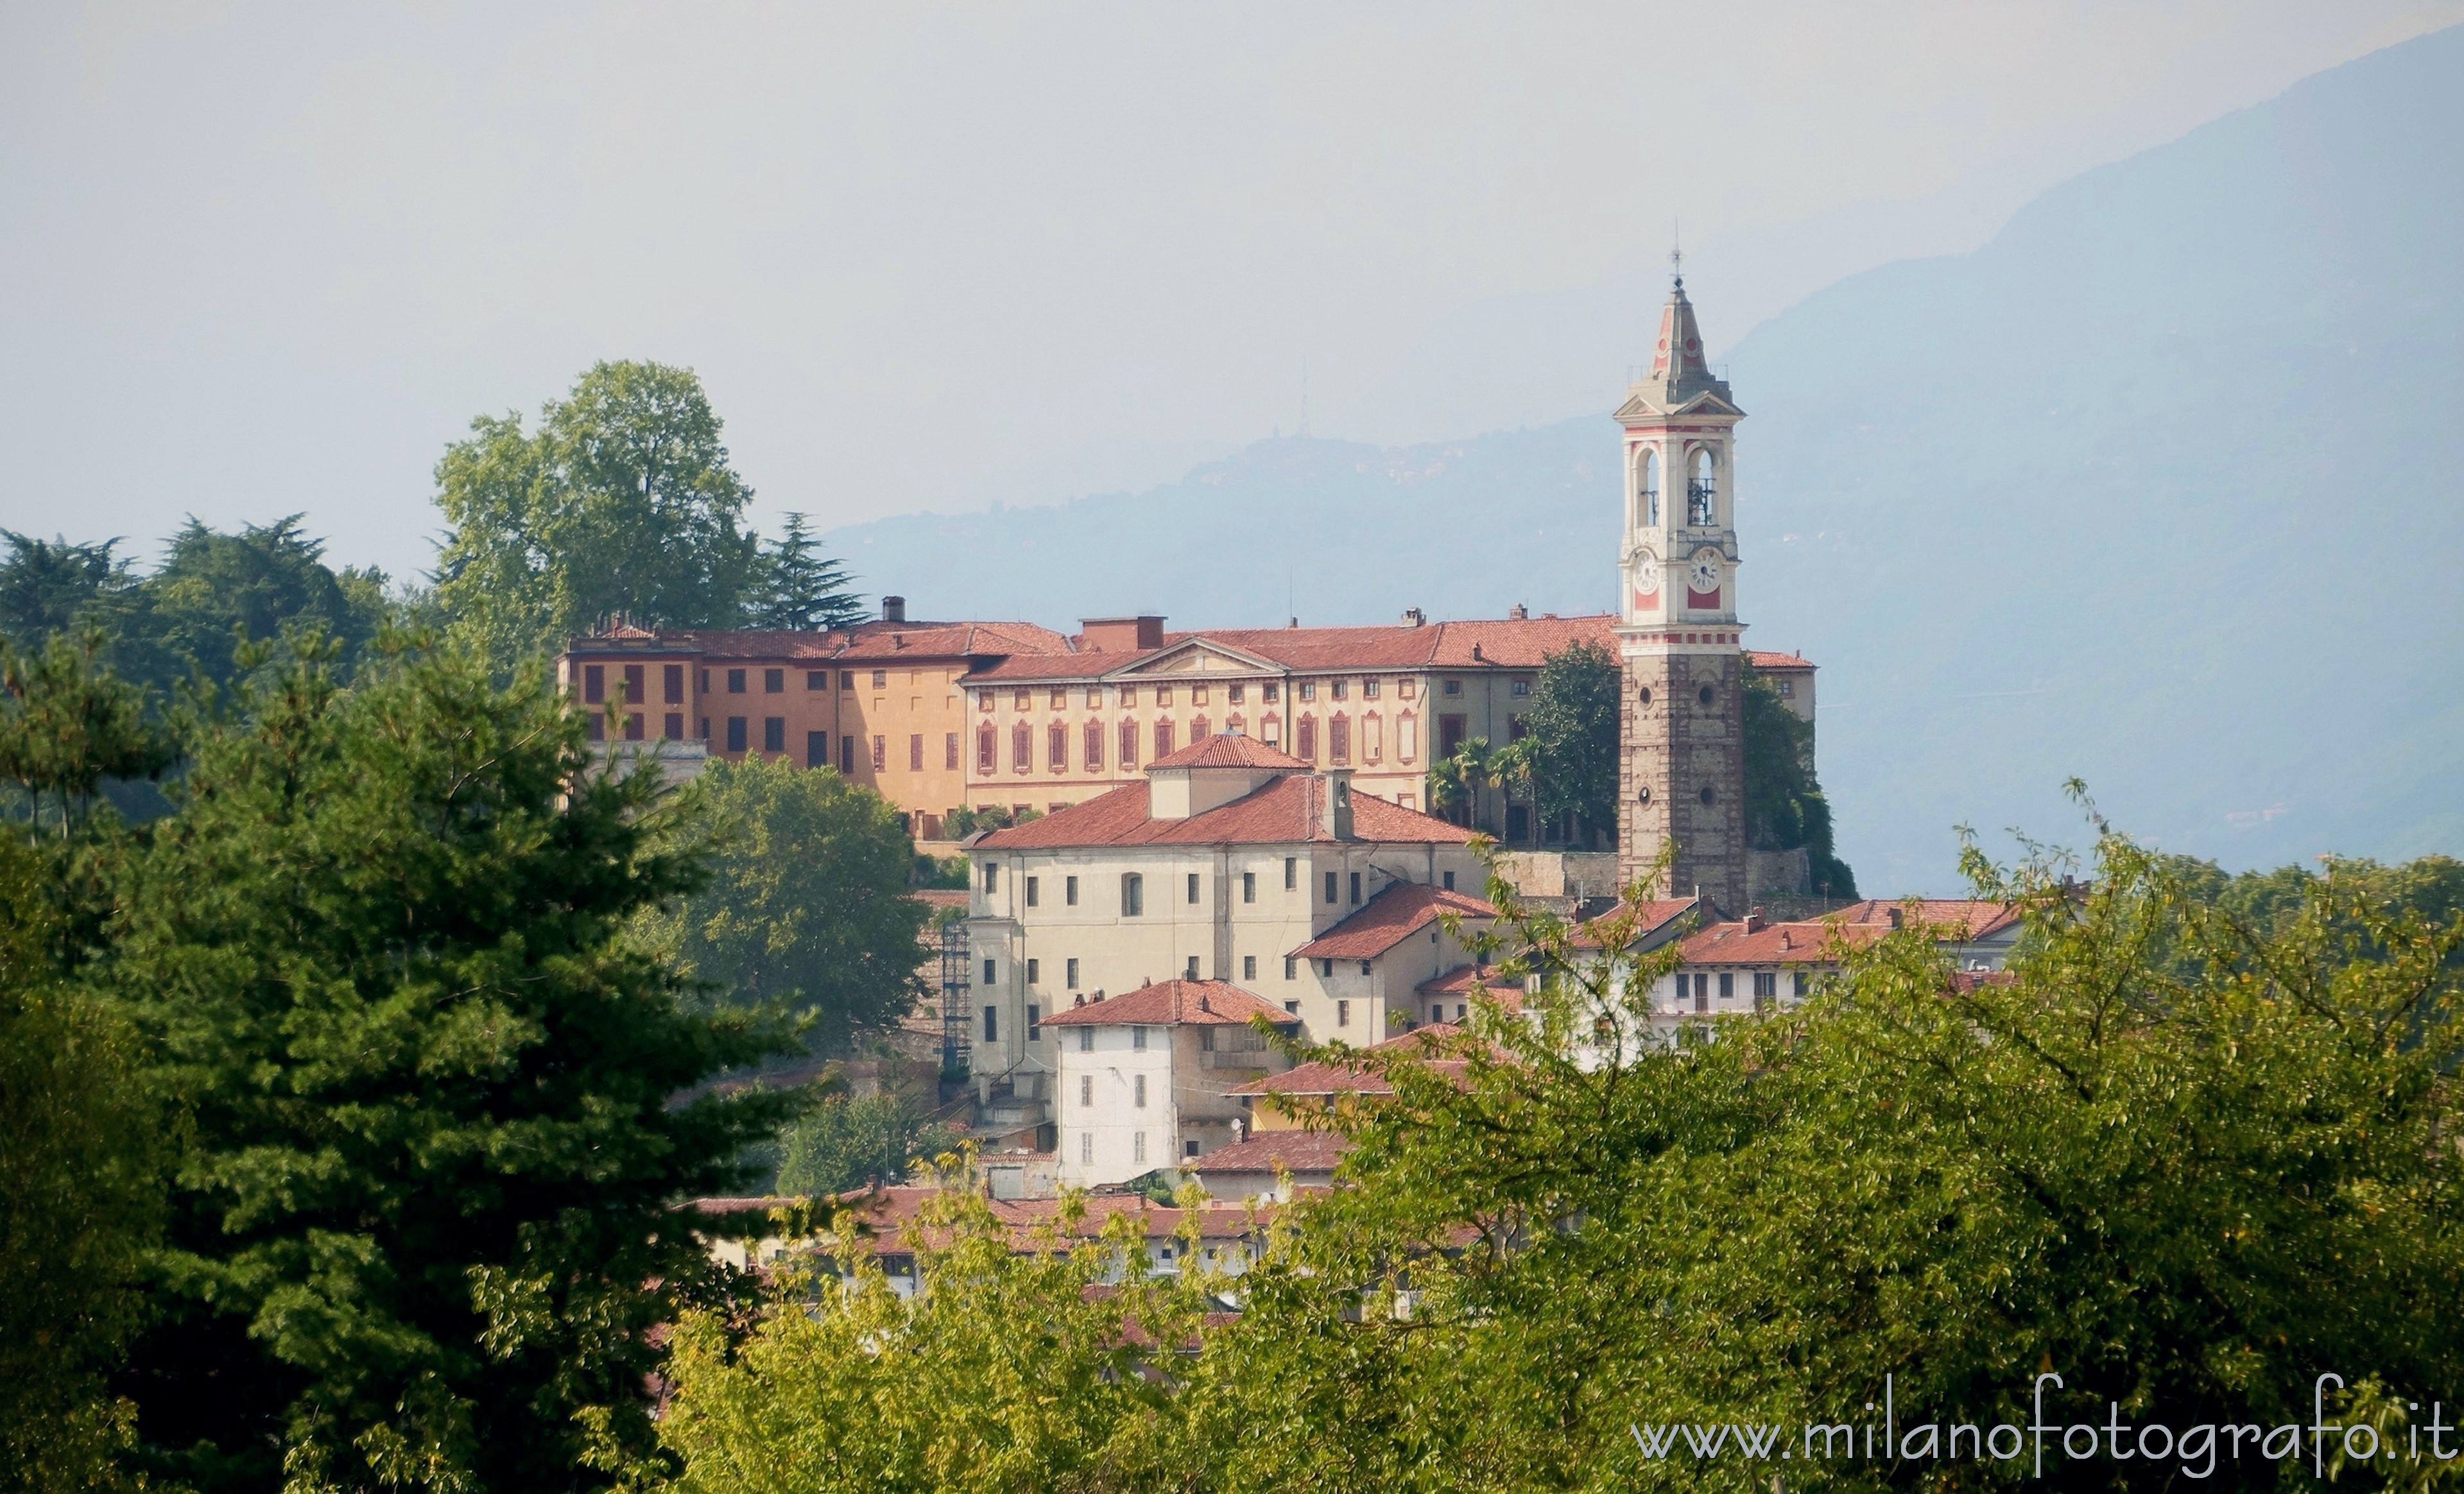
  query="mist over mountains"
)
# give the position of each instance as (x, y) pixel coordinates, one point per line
(2157, 488)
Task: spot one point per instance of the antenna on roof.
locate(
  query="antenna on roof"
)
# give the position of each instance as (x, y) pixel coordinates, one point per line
(1676, 257)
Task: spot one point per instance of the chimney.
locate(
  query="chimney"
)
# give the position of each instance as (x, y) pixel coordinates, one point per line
(1894, 917)
(1334, 812)
(1121, 634)
(893, 609)
(1785, 942)
(1080, 1002)
(1754, 922)
(1414, 617)
(1203, 1007)
(1476, 654)
(1518, 613)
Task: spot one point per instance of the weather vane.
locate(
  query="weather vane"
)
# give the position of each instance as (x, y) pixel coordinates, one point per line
(1676, 256)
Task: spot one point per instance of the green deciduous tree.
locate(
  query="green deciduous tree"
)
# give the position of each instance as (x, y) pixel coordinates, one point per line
(264, 582)
(802, 589)
(380, 958)
(845, 1142)
(1574, 724)
(807, 907)
(623, 502)
(1785, 807)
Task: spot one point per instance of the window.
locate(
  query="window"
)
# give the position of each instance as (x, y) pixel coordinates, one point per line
(988, 972)
(1034, 967)
(1304, 739)
(736, 682)
(1248, 967)
(950, 751)
(671, 683)
(985, 755)
(1198, 728)
(1450, 735)
(1270, 731)
(704, 732)
(1405, 690)
(1523, 687)
(1356, 890)
(1330, 893)
(1291, 968)
(1021, 748)
(633, 726)
(1728, 987)
(1517, 728)
(1343, 1014)
(1364, 967)
(1338, 740)
(1291, 1008)
(992, 881)
(1034, 1013)
(1369, 689)
(773, 681)
(1092, 748)
(1707, 795)
(594, 683)
(881, 680)
(1138, 1144)
(1086, 1040)
(1308, 690)
(1137, 1040)
(1248, 887)
(916, 753)
(1342, 689)
(1163, 740)
(1193, 887)
(1060, 698)
(1291, 872)
(1069, 971)
(1129, 745)
(1786, 689)
(1129, 696)
(1163, 694)
(1086, 1146)
(880, 752)
(1706, 694)
(1269, 692)
(817, 749)
(846, 756)
(1056, 747)
(1232, 692)
(597, 728)
(1454, 686)
(1033, 884)
(1407, 734)
(1020, 699)
(1800, 981)
(703, 675)
(816, 679)
(991, 1025)
(1133, 894)
(674, 727)
(1702, 992)
(1372, 729)
(1189, 972)
(736, 734)
(1086, 1086)
(1646, 488)
(1197, 694)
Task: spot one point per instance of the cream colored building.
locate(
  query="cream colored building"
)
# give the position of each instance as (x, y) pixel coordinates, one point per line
(1143, 1078)
(1221, 864)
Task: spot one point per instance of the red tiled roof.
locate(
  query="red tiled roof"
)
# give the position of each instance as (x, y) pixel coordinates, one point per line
(1656, 914)
(1977, 918)
(1282, 812)
(1398, 911)
(1292, 1151)
(1350, 1078)
(1464, 980)
(1758, 659)
(1188, 1003)
(867, 642)
(875, 642)
(1223, 750)
(1501, 643)
(1776, 943)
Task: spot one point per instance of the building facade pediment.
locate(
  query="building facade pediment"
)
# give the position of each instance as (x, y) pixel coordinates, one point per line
(1196, 656)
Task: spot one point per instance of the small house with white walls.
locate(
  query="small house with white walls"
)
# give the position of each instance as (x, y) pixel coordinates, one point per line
(1145, 1078)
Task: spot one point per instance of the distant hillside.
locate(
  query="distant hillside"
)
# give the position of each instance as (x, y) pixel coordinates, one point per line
(2159, 487)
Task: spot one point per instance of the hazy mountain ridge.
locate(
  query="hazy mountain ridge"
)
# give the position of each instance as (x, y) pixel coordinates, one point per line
(2157, 488)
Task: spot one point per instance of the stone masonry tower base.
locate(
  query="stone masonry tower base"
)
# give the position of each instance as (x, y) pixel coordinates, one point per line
(1682, 774)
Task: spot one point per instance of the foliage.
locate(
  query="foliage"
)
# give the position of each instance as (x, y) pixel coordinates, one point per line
(1456, 780)
(421, 1220)
(845, 1142)
(802, 589)
(621, 504)
(966, 819)
(1005, 1374)
(1785, 807)
(1574, 724)
(81, 1186)
(53, 587)
(807, 905)
(948, 873)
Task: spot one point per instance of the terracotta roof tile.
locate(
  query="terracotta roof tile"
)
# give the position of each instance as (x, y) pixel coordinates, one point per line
(1282, 812)
(1350, 1078)
(1656, 914)
(1775, 944)
(1186, 1003)
(1222, 750)
(866, 643)
(1292, 1151)
(1465, 979)
(1761, 660)
(1955, 915)
(1398, 911)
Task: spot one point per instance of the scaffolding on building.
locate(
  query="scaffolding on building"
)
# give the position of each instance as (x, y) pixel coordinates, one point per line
(955, 1043)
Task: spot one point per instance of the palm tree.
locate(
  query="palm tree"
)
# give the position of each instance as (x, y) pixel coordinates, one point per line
(1511, 769)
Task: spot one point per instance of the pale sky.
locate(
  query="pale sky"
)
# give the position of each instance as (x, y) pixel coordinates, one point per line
(262, 259)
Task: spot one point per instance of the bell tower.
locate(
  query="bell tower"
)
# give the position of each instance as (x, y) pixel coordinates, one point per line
(1682, 773)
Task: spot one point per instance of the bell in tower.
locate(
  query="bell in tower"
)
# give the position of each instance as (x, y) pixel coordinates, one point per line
(1682, 772)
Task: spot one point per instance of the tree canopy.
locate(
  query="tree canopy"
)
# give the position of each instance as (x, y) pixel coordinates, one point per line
(1574, 724)
(801, 587)
(1785, 807)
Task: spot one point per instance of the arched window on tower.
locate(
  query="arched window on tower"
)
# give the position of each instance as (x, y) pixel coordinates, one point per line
(1646, 488)
(1701, 489)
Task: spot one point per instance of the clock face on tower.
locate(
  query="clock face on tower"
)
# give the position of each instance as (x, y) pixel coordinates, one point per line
(1704, 575)
(1646, 574)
